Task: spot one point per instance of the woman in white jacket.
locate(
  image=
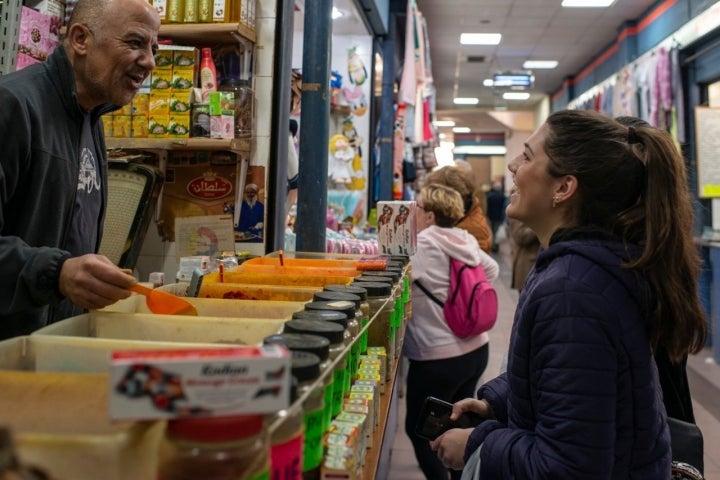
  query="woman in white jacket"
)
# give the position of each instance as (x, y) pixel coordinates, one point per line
(440, 363)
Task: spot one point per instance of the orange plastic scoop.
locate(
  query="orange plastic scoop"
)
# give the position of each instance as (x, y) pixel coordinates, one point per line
(163, 302)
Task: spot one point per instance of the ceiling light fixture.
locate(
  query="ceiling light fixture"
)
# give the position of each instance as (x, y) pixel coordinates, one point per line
(461, 130)
(336, 13)
(540, 64)
(587, 3)
(516, 95)
(480, 38)
(444, 123)
(488, 82)
(466, 100)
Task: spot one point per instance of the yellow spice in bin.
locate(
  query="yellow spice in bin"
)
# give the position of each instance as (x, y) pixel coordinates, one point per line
(278, 278)
(257, 292)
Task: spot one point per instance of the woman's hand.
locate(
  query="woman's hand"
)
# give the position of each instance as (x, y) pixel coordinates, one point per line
(450, 447)
(481, 407)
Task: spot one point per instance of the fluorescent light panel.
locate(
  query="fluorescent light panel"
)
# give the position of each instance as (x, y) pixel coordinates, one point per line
(516, 96)
(461, 129)
(587, 3)
(480, 150)
(336, 13)
(488, 82)
(540, 64)
(466, 100)
(444, 123)
(480, 38)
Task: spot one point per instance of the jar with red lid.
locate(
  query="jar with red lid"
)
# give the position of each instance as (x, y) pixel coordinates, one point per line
(215, 448)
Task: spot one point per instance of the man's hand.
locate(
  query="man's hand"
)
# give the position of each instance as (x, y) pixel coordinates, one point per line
(93, 281)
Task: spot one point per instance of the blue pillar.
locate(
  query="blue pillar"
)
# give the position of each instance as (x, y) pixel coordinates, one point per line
(314, 127)
(387, 114)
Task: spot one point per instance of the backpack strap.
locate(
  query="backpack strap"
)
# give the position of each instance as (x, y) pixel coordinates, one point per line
(427, 292)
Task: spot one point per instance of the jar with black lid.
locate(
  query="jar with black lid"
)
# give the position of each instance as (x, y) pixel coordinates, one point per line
(335, 333)
(382, 311)
(334, 302)
(317, 345)
(362, 305)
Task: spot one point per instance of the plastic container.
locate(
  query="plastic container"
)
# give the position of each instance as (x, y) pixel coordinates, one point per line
(60, 423)
(298, 270)
(165, 328)
(215, 448)
(335, 333)
(214, 307)
(208, 74)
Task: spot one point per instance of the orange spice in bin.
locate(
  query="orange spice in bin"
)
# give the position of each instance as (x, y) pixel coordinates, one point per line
(295, 277)
(247, 291)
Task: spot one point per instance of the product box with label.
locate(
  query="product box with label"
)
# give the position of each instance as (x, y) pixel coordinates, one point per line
(161, 384)
(397, 231)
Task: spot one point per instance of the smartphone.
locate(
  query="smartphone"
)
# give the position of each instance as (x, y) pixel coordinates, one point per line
(435, 420)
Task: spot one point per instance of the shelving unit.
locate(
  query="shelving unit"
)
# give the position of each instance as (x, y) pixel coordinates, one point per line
(9, 34)
(235, 144)
(208, 33)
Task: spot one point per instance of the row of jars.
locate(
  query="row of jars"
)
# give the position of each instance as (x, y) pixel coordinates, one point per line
(327, 341)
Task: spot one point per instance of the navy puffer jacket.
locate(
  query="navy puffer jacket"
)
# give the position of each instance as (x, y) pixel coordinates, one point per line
(580, 398)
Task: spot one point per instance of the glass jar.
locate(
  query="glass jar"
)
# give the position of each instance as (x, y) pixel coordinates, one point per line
(353, 317)
(317, 345)
(335, 333)
(362, 306)
(214, 448)
(397, 293)
(382, 311)
(294, 428)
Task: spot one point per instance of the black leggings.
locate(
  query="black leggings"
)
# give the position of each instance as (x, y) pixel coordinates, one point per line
(450, 379)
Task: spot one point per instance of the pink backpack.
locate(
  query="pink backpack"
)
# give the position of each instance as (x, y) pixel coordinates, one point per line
(471, 306)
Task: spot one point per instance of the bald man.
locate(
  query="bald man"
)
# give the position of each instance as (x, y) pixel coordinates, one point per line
(53, 165)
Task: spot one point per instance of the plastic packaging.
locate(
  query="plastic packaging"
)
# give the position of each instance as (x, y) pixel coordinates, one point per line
(215, 448)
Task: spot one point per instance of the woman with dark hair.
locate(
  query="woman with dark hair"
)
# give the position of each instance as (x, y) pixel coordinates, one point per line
(616, 278)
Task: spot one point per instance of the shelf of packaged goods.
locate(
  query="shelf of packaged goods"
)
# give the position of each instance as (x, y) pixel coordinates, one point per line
(234, 144)
(206, 33)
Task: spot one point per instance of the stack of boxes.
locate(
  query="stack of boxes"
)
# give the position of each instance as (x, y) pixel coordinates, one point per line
(39, 33)
(162, 108)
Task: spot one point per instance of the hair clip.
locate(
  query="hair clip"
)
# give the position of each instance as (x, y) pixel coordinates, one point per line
(633, 136)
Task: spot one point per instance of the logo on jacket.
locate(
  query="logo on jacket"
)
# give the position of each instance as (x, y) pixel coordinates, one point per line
(88, 178)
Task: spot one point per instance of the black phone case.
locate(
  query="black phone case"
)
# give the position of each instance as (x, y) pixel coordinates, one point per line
(435, 420)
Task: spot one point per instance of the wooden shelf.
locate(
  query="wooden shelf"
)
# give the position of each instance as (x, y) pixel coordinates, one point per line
(206, 33)
(234, 144)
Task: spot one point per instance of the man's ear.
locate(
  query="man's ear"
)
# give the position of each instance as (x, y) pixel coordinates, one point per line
(78, 36)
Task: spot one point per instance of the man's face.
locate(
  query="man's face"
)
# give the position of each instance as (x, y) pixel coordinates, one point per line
(119, 56)
(250, 194)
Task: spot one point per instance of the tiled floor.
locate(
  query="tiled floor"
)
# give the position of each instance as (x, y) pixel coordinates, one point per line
(703, 372)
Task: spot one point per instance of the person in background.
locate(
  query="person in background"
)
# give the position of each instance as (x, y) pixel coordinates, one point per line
(617, 277)
(496, 201)
(473, 219)
(53, 168)
(252, 215)
(440, 363)
(525, 247)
